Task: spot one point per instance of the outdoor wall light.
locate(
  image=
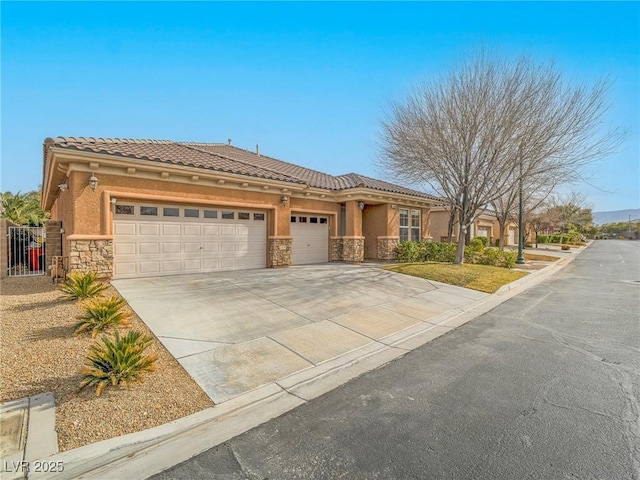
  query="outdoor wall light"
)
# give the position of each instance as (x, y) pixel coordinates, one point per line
(63, 187)
(114, 201)
(93, 181)
(361, 205)
(283, 200)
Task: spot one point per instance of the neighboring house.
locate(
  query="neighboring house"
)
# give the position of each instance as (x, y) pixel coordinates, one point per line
(485, 225)
(131, 208)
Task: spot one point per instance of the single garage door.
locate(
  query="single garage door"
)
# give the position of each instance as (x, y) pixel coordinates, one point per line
(512, 239)
(153, 239)
(483, 232)
(310, 239)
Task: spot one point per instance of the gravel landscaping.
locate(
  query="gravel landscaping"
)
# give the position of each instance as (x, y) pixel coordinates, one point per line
(39, 353)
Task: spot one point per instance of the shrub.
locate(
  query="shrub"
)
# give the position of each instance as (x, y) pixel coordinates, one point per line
(118, 362)
(543, 238)
(566, 247)
(490, 256)
(411, 252)
(81, 285)
(440, 251)
(101, 313)
(483, 240)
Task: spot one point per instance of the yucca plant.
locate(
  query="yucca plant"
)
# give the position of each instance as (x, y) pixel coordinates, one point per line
(101, 313)
(82, 285)
(118, 361)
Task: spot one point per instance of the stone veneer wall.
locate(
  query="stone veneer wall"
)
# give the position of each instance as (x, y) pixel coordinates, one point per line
(280, 251)
(337, 247)
(353, 249)
(91, 255)
(386, 247)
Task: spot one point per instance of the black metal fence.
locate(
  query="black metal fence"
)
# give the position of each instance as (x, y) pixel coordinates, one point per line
(26, 248)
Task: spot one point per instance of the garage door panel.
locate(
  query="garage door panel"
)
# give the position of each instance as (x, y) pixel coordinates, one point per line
(124, 248)
(210, 263)
(188, 247)
(228, 230)
(173, 247)
(170, 229)
(149, 248)
(149, 229)
(191, 265)
(227, 262)
(227, 247)
(210, 247)
(210, 230)
(147, 267)
(124, 229)
(191, 230)
(171, 266)
(124, 268)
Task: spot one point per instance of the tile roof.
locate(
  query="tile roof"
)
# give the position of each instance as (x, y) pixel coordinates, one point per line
(225, 158)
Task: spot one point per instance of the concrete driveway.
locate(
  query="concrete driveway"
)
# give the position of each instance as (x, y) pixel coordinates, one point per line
(236, 331)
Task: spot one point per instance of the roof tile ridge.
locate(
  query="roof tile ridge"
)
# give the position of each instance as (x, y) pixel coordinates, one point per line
(112, 140)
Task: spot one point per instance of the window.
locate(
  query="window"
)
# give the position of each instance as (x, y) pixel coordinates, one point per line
(293, 219)
(404, 225)
(244, 216)
(210, 214)
(303, 219)
(258, 216)
(409, 225)
(170, 212)
(313, 220)
(323, 220)
(415, 225)
(343, 219)
(191, 213)
(228, 215)
(125, 210)
(153, 211)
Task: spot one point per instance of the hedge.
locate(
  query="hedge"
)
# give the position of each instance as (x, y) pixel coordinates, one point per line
(416, 252)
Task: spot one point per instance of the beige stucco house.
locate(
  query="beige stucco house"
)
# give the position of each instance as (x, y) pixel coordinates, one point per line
(485, 225)
(131, 208)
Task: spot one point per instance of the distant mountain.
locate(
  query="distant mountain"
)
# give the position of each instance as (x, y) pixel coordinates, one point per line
(600, 218)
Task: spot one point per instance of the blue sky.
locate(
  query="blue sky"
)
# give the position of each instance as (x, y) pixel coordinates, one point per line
(309, 82)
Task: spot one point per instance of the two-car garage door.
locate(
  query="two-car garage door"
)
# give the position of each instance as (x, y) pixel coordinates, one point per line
(151, 240)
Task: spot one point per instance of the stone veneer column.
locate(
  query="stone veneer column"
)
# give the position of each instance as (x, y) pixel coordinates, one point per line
(386, 247)
(54, 241)
(280, 251)
(337, 247)
(91, 256)
(353, 249)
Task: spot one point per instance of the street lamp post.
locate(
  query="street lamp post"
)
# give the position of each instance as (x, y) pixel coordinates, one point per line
(520, 260)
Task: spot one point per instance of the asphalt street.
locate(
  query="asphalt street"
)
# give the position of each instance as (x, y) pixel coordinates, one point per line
(545, 386)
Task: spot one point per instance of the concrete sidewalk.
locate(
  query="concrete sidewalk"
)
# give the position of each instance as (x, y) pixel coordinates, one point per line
(142, 454)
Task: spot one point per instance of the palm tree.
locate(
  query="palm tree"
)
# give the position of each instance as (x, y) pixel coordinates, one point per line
(23, 208)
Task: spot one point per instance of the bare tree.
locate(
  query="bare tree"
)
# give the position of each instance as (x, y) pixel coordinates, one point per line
(478, 132)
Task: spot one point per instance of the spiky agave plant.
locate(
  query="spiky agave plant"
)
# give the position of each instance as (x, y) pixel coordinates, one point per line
(101, 313)
(80, 285)
(118, 361)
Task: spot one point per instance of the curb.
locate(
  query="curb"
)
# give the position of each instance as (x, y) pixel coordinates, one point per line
(35, 413)
(145, 453)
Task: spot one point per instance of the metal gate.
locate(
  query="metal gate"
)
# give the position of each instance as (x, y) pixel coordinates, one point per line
(26, 247)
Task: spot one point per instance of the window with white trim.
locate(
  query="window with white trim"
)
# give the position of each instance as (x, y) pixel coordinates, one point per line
(409, 225)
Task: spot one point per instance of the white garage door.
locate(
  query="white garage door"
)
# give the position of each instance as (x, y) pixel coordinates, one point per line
(310, 239)
(512, 240)
(483, 232)
(151, 239)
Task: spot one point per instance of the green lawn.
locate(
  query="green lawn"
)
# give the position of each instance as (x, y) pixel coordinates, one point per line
(477, 277)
